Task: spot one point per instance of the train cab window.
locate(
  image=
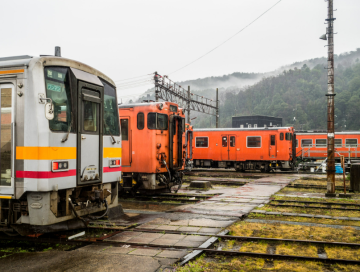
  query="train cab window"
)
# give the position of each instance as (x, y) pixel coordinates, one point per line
(253, 141)
(58, 89)
(351, 142)
(320, 143)
(281, 136)
(224, 141)
(297, 143)
(306, 143)
(173, 108)
(288, 136)
(232, 141)
(140, 120)
(91, 116)
(124, 123)
(157, 121)
(202, 142)
(111, 112)
(338, 142)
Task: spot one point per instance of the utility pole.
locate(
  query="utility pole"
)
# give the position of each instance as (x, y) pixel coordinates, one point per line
(156, 78)
(188, 106)
(330, 105)
(217, 108)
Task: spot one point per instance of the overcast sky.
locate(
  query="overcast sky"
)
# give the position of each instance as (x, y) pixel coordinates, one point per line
(125, 39)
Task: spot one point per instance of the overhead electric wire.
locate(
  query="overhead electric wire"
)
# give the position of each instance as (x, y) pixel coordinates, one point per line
(227, 39)
(133, 77)
(134, 82)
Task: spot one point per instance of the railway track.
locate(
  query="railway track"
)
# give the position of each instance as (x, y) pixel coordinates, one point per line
(169, 197)
(307, 205)
(101, 241)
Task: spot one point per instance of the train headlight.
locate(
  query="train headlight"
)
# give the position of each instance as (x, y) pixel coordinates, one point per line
(114, 163)
(59, 166)
(160, 106)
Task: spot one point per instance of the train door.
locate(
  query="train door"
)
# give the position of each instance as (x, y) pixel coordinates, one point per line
(232, 148)
(224, 147)
(7, 100)
(176, 129)
(90, 132)
(126, 140)
(272, 147)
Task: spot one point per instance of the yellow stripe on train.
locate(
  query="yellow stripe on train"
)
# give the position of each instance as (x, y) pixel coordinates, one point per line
(57, 153)
(45, 153)
(112, 152)
(5, 197)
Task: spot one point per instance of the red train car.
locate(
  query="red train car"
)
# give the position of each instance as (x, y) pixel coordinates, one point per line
(245, 148)
(153, 157)
(313, 146)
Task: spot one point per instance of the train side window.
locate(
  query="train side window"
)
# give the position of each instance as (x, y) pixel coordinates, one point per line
(281, 136)
(288, 136)
(297, 143)
(338, 142)
(157, 121)
(320, 142)
(351, 142)
(306, 143)
(224, 141)
(202, 142)
(253, 141)
(124, 129)
(232, 141)
(272, 139)
(140, 120)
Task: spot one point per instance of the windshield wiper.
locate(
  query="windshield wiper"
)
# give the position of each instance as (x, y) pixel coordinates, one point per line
(67, 135)
(112, 137)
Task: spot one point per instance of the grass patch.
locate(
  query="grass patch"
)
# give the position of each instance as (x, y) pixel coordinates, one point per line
(314, 210)
(221, 264)
(285, 231)
(297, 266)
(256, 247)
(304, 219)
(343, 253)
(345, 268)
(323, 182)
(329, 200)
(297, 249)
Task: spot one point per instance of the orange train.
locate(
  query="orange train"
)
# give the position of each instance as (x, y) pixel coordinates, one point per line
(153, 157)
(313, 145)
(245, 148)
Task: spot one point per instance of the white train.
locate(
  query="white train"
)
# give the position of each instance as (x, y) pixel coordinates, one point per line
(60, 153)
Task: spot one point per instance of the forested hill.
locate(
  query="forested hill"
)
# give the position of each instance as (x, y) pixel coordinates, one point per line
(298, 92)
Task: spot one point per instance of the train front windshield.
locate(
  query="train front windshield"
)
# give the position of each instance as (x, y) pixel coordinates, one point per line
(111, 118)
(58, 89)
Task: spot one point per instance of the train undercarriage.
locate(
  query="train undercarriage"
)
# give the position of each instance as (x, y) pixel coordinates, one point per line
(263, 166)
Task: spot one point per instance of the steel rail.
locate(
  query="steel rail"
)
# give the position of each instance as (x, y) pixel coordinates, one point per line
(313, 207)
(317, 202)
(314, 186)
(249, 238)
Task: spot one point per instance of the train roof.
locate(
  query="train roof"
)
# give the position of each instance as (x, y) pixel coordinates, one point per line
(29, 61)
(133, 105)
(240, 129)
(324, 133)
